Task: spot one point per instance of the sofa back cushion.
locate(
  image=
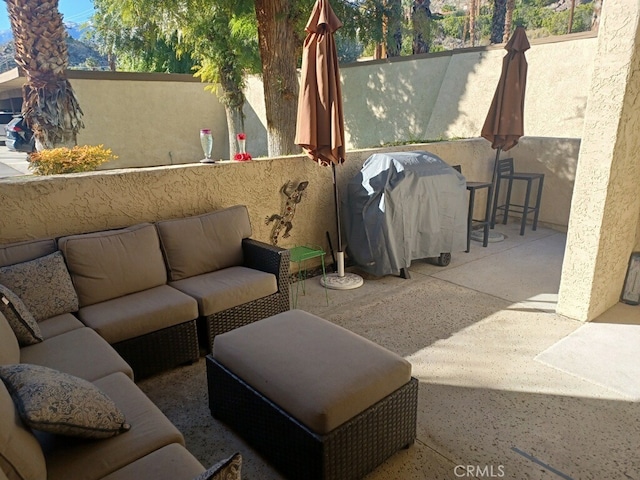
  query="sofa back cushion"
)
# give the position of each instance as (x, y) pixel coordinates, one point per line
(204, 243)
(20, 454)
(9, 348)
(13, 253)
(113, 263)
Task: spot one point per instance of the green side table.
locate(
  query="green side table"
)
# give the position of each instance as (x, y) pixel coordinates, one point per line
(300, 255)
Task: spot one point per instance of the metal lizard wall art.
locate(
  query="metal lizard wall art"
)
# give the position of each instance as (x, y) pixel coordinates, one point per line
(284, 219)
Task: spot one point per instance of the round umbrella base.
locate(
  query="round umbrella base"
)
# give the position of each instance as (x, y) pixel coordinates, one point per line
(348, 282)
(494, 237)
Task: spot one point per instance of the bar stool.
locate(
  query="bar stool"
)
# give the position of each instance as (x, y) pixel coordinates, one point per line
(505, 171)
(473, 187)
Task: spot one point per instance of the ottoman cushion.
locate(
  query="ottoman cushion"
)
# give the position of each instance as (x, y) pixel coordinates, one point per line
(318, 372)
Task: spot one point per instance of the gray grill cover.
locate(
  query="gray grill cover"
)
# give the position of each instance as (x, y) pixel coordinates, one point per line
(401, 207)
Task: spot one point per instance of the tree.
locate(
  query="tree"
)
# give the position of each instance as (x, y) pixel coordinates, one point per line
(497, 21)
(508, 20)
(280, 48)
(170, 35)
(49, 106)
(420, 21)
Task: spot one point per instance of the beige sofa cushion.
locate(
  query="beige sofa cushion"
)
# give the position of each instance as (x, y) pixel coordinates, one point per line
(20, 454)
(114, 263)
(223, 289)
(9, 348)
(173, 462)
(320, 373)
(150, 430)
(13, 253)
(139, 313)
(70, 352)
(204, 243)
(59, 324)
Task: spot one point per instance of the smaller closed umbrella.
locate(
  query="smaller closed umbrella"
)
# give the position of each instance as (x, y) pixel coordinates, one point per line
(504, 124)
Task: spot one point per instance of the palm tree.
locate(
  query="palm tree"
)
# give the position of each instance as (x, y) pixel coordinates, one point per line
(49, 106)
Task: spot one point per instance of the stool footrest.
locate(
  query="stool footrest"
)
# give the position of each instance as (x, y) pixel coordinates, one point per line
(348, 452)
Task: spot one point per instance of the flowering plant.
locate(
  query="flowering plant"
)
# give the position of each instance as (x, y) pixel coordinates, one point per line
(242, 136)
(242, 157)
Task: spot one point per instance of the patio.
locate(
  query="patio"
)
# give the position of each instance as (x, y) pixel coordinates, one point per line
(487, 406)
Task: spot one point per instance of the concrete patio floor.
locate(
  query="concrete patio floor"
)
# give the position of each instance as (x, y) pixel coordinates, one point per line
(487, 408)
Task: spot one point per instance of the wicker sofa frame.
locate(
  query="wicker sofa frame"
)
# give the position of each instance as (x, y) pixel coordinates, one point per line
(349, 452)
(160, 350)
(260, 256)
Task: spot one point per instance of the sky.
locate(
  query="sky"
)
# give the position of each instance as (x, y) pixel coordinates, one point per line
(76, 11)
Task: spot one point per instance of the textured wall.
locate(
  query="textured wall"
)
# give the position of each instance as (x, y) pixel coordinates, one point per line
(148, 119)
(37, 207)
(606, 205)
(154, 119)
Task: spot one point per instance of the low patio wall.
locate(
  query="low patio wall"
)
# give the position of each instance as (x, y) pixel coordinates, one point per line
(37, 207)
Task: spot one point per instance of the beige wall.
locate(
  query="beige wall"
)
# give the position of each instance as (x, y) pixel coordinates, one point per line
(37, 207)
(154, 119)
(148, 119)
(604, 216)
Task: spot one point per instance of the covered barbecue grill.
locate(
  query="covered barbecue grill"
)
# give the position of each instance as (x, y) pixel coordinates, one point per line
(402, 207)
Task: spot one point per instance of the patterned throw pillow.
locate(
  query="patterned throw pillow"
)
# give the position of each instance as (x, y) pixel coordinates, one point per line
(228, 469)
(56, 402)
(43, 284)
(22, 323)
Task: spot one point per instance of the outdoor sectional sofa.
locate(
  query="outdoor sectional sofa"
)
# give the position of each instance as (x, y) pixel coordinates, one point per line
(156, 292)
(107, 307)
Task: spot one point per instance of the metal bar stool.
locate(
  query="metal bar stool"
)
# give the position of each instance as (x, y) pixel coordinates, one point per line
(473, 187)
(505, 171)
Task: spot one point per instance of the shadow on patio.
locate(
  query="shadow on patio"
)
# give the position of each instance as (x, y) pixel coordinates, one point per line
(472, 331)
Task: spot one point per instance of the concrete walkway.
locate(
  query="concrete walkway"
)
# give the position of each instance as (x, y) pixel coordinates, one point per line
(473, 332)
(13, 164)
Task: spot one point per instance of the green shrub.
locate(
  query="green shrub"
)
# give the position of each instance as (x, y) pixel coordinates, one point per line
(69, 160)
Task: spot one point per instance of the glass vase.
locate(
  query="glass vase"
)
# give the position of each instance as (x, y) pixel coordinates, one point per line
(206, 140)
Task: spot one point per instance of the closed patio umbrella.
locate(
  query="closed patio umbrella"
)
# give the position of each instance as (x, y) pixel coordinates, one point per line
(320, 122)
(504, 124)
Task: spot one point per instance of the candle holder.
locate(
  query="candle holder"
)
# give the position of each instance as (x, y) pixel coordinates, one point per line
(206, 140)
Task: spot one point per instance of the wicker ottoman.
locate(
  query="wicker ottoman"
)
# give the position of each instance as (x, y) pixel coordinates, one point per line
(316, 400)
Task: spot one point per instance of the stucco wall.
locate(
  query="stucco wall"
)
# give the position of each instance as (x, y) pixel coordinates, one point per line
(603, 225)
(148, 119)
(154, 119)
(37, 207)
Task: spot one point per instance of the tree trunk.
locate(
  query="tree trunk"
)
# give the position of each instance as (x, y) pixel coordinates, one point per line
(49, 106)
(472, 22)
(508, 20)
(595, 19)
(497, 21)
(394, 27)
(279, 50)
(235, 125)
(420, 16)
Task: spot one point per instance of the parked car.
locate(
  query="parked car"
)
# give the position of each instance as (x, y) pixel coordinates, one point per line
(5, 118)
(19, 137)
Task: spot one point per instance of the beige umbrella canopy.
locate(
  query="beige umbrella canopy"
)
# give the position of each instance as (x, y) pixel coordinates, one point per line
(320, 122)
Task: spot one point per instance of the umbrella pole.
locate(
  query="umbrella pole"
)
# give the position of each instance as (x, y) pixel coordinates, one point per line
(336, 199)
(340, 280)
(494, 236)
